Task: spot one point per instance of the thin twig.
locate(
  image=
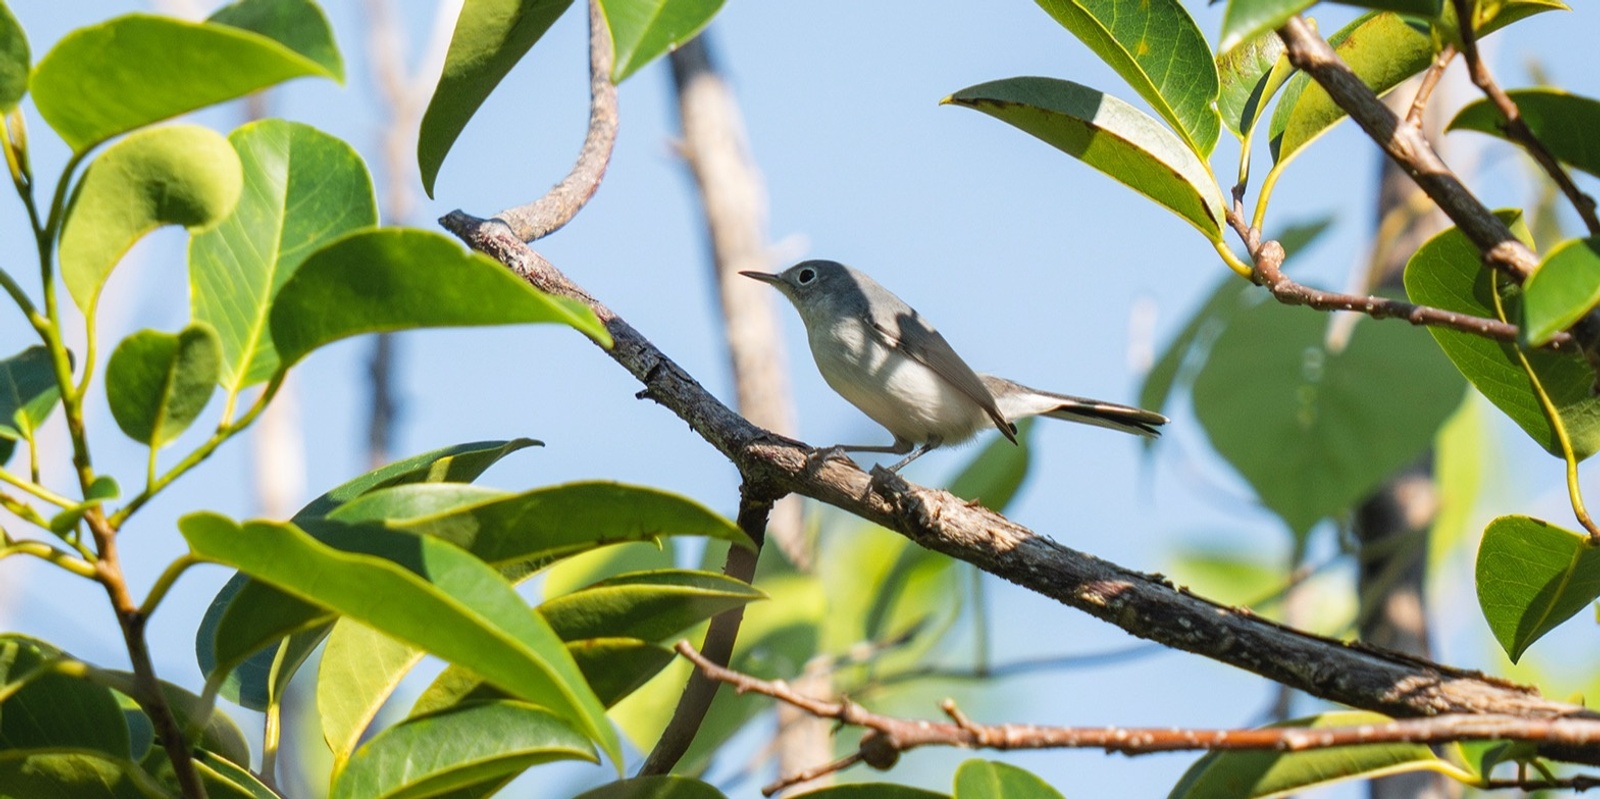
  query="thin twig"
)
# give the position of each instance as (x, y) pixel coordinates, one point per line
(1515, 126)
(755, 505)
(891, 736)
(1430, 80)
(558, 206)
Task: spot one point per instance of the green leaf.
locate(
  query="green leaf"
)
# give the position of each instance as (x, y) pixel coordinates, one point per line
(1383, 50)
(360, 668)
(466, 745)
(987, 779)
(265, 613)
(1564, 288)
(1561, 121)
(665, 787)
(533, 527)
(1427, 9)
(304, 189)
(72, 775)
(1447, 272)
(641, 30)
(650, 606)
(1262, 774)
(1532, 576)
(137, 69)
(1156, 47)
(491, 36)
(14, 61)
(158, 383)
(219, 735)
(373, 281)
(1249, 76)
(28, 392)
(1248, 20)
(614, 668)
(1315, 429)
(54, 710)
(175, 175)
(994, 476)
(296, 24)
(434, 596)
(222, 778)
(875, 790)
(1109, 135)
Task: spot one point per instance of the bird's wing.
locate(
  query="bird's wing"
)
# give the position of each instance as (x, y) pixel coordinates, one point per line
(914, 338)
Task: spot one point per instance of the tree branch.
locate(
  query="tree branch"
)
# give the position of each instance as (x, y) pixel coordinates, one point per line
(755, 505)
(1148, 606)
(889, 736)
(558, 206)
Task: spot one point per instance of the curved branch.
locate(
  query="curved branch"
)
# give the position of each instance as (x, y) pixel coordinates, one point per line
(1148, 606)
(564, 200)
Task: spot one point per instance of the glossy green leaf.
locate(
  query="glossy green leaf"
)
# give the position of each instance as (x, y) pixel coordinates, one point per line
(491, 36)
(466, 745)
(219, 735)
(360, 668)
(1244, 774)
(664, 787)
(158, 383)
(15, 60)
(642, 30)
(298, 25)
(1248, 20)
(28, 392)
(1426, 9)
(1314, 429)
(1562, 122)
(875, 790)
(987, 779)
(1564, 288)
(993, 478)
(1532, 576)
(1250, 75)
(222, 778)
(304, 189)
(650, 606)
(1109, 135)
(389, 279)
(432, 594)
(55, 711)
(264, 614)
(175, 175)
(614, 668)
(1448, 273)
(1157, 48)
(535, 526)
(1383, 49)
(137, 69)
(33, 773)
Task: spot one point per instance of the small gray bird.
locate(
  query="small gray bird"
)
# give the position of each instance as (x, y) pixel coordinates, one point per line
(883, 357)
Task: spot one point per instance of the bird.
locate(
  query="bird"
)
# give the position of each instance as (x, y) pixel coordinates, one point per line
(887, 360)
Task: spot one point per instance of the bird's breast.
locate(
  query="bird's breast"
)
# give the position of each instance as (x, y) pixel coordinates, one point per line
(906, 397)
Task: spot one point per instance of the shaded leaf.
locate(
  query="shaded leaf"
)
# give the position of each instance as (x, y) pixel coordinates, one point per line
(137, 69)
(491, 36)
(988, 779)
(1447, 272)
(219, 735)
(1562, 122)
(1248, 20)
(1156, 47)
(74, 775)
(613, 667)
(1109, 135)
(296, 24)
(875, 790)
(1314, 429)
(373, 281)
(650, 606)
(994, 476)
(55, 711)
(1258, 774)
(1250, 75)
(28, 392)
(304, 189)
(1564, 288)
(158, 383)
(664, 787)
(175, 175)
(461, 463)
(14, 61)
(433, 595)
(1532, 576)
(642, 30)
(465, 745)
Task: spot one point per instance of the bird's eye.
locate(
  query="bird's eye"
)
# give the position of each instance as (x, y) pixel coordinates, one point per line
(807, 275)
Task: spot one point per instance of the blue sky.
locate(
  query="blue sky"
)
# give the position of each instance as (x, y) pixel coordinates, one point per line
(1034, 267)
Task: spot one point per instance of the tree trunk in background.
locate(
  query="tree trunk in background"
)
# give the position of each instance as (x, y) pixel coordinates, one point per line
(1391, 527)
(735, 202)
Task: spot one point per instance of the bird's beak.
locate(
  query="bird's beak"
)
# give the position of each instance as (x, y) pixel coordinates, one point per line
(764, 277)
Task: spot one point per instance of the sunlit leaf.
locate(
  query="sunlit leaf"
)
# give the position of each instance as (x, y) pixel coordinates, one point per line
(72, 775)
(664, 787)
(642, 30)
(1564, 288)
(650, 606)
(14, 61)
(1109, 135)
(1250, 76)
(298, 25)
(1246, 774)
(988, 779)
(158, 383)
(1532, 576)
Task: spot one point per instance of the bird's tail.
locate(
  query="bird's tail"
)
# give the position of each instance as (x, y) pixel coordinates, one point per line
(1017, 401)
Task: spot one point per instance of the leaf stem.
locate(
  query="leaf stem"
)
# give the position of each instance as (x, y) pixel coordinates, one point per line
(164, 583)
(50, 554)
(34, 489)
(1239, 267)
